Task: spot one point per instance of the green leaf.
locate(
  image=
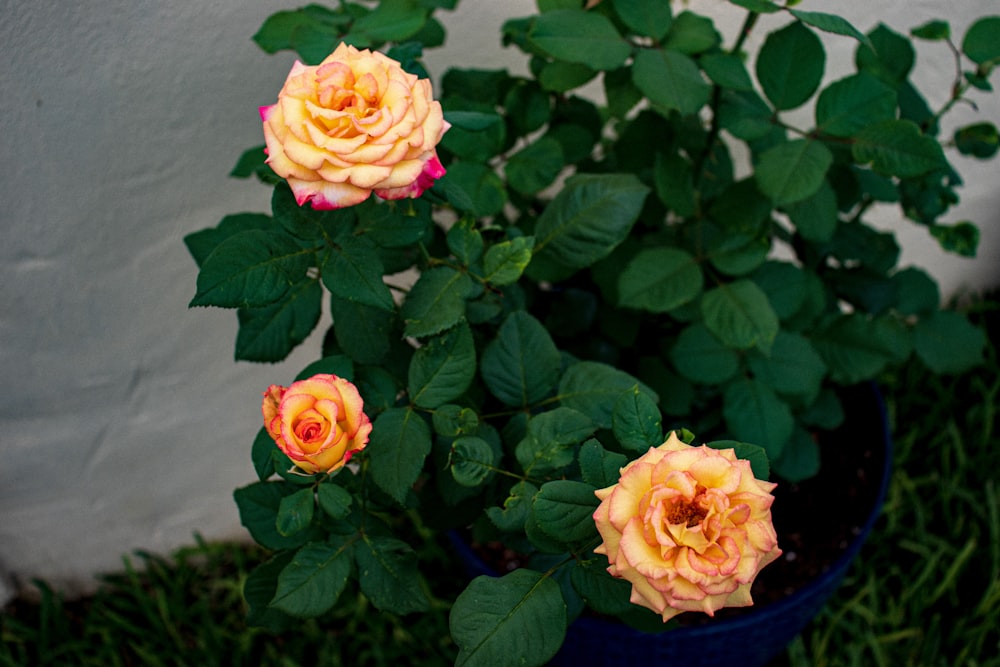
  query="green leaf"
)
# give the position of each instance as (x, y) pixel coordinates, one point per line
(745, 115)
(312, 582)
(521, 366)
(932, 31)
(279, 29)
(250, 269)
(476, 146)
(787, 286)
(465, 241)
(300, 221)
(400, 441)
(528, 107)
(535, 166)
(620, 92)
(551, 437)
(559, 76)
(259, 504)
(792, 170)
(563, 510)
(442, 368)
(692, 34)
(436, 302)
(757, 6)
(672, 176)
(476, 85)
(982, 41)
(454, 420)
(651, 18)
(258, 590)
(962, 238)
(474, 188)
(518, 620)
(826, 412)
(314, 41)
(793, 368)
(599, 467)
(516, 508)
(800, 459)
(201, 243)
(507, 260)
(755, 414)
(593, 388)
(701, 357)
(580, 37)
(790, 65)
(473, 121)
(362, 332)
(388, 576)
(856, 348)
(735, 253)
(726, 70)
(948, 343)
(740, 316)
(269, 333)
(898, 148)
(831, 23)
(353, 271)
(603, 593)
(391, 21)
(659, 279)
(979, 140)
(334, 364)
(918, 292)
(390, 228)
(588, 218)
(334, 500)
(847, 106)
(815, 217)
(472, 461)
(295, 512)
(671, 80)
(891, 59)
(636, 421)
(262, 454)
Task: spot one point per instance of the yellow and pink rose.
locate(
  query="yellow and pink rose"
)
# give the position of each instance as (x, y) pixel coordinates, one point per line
(319, 422)
(689, 527)
(356, 123)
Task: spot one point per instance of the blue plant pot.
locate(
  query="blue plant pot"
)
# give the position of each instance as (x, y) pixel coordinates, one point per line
(761, 633)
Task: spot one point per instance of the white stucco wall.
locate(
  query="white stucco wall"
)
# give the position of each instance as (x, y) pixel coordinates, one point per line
(125, 423)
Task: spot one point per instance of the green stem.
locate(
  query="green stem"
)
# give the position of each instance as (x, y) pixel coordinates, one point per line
(713, 131)
(958, 89)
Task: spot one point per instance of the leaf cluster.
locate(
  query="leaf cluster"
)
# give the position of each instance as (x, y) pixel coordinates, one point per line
(584, 279)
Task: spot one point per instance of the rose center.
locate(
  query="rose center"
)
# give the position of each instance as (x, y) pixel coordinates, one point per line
(309, 431)
(687, 512)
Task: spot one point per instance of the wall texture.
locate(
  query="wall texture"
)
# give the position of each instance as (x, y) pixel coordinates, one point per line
(125, 422)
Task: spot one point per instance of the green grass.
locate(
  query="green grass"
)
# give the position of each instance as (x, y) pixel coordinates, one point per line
(925, 590)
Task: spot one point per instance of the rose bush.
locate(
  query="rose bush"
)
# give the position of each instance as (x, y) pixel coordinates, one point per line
(690, 252)
(319, 422)
(355, 124)
(688, 527)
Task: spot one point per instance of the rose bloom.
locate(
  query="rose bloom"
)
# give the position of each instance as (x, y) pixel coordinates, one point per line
(355, 124)
(688, 527)
(318, 422)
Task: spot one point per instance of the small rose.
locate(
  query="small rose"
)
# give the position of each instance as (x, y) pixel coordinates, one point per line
(318, 422)
(688, 527)
(355, 124)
